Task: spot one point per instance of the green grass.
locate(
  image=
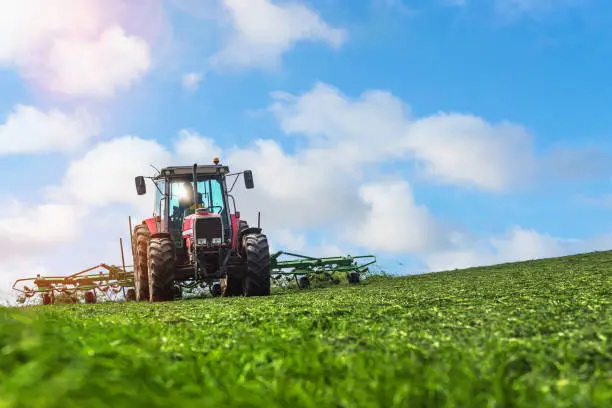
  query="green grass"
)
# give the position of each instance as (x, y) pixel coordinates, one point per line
(534, 334)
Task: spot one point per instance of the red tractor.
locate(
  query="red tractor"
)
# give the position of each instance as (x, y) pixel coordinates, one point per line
(194, 238)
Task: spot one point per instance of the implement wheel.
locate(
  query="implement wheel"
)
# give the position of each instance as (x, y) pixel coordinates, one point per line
(304, 282)
(140, 244)
(256, 281)
(46, 298)
(216, 290)
(90, 297)
(353, 277)
(130, 296)
(161, 258)
(178, 292)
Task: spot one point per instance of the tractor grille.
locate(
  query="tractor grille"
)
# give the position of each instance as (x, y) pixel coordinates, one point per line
(208, 228)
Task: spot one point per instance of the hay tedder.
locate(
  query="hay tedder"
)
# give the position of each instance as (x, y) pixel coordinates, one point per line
(195, 238)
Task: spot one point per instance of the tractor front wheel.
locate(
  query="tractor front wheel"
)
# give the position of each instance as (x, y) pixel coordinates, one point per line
(231, 285)
(161, 259)
(140, 245)
(256, 281)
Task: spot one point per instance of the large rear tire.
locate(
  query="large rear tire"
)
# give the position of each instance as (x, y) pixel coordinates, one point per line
(161, 269)
(140, 245)
(256, 281)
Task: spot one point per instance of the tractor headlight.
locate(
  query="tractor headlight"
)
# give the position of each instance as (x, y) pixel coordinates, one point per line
(216, 240)
(201, 241)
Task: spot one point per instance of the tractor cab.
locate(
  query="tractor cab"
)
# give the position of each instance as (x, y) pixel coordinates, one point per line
(176, 208)
(194, 237)
(183, 208)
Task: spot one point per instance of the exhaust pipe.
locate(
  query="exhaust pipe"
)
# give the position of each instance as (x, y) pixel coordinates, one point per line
(195, 186)
(196, 267)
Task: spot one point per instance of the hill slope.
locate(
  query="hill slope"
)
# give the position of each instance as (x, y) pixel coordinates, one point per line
(527, 334)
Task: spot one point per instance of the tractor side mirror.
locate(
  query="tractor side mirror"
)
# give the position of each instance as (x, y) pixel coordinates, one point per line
(248, 179)
(141, 186)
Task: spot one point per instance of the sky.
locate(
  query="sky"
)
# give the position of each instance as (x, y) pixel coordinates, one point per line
(434, 134)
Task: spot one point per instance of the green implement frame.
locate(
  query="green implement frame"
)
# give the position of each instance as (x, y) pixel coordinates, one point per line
(307, 267)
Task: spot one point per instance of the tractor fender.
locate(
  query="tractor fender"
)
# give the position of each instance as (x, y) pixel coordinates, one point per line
(249, 230)
(151, 225)
(243, 233)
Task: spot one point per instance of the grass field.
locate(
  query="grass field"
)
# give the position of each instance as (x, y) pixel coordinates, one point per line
(534, 334)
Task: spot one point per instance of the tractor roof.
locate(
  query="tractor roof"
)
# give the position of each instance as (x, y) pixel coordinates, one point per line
(187, 171)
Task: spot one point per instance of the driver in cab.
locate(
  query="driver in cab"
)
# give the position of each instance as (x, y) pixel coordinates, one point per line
(186, 202)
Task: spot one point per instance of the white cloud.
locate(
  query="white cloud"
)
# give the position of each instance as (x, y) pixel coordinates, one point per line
(98, 67)
(13, 269)
(331, 119)
(78, 47)
(30, 130)
(285, 238)
(516, 244)
(191, 147)
(191, 81)
(105, 174)
(39, 228)
(526, 244)
(453, 148)
(306, 190)
(263, 31)
(58, 240)
(395, 222)
(464, 149)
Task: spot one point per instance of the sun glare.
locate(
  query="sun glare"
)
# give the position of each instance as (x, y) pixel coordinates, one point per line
(182, 192)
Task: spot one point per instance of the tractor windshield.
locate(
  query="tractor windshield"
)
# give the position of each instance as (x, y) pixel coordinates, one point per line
(210, 195)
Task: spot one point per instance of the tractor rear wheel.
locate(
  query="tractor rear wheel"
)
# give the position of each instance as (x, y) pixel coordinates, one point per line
(256, 281)
(161, 259)
(140, 244)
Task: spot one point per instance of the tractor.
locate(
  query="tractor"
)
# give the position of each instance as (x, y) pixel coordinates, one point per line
(194, 237)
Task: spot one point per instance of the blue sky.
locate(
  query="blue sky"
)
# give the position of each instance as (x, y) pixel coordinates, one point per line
(543, 68)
